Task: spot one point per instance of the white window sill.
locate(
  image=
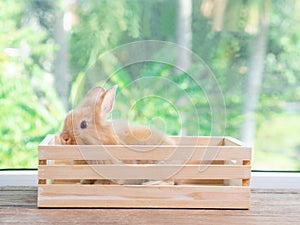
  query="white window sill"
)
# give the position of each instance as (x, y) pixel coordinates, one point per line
(275, 180)
(18, 178)
(262, 180)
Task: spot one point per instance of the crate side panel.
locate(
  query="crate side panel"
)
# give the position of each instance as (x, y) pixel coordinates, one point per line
(155, 172)
(143, 196)
(166, 153)
(198, 140)
(52, 139)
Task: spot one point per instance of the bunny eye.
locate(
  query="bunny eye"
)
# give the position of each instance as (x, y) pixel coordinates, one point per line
(83, 124)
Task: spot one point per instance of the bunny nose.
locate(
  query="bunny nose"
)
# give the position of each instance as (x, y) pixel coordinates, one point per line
(65, 138)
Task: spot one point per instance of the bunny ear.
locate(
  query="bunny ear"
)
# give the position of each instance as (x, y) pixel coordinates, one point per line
(92, 96)
(95, 92)
(108, 100)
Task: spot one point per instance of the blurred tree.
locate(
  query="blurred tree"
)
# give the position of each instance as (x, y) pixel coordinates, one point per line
(282, 67)
(251, 17)
(29, 105)
(255, 73)
(55, 17)
(183, 57)
(184, 33)
(61, 71)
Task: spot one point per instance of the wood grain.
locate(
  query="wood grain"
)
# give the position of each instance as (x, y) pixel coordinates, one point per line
(182, 153)
(154, 172)
(192, 163)
(136, 196)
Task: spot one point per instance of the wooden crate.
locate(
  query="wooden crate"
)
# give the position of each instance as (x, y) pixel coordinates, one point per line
(214, 172)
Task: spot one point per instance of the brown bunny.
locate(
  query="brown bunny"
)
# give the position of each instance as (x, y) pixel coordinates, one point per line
(87, 124)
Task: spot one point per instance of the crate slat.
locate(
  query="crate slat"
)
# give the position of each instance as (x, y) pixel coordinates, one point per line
(143, 196)
(198, 140)
(50, 139)
(156, 172)
(183, 153)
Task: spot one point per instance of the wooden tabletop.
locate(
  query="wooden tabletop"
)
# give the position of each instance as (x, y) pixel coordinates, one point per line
(18, 206)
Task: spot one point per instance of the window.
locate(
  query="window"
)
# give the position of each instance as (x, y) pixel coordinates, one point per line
(187, 67)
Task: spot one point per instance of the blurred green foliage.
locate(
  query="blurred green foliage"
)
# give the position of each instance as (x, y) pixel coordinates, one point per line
(30, 106)
(284, 152)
